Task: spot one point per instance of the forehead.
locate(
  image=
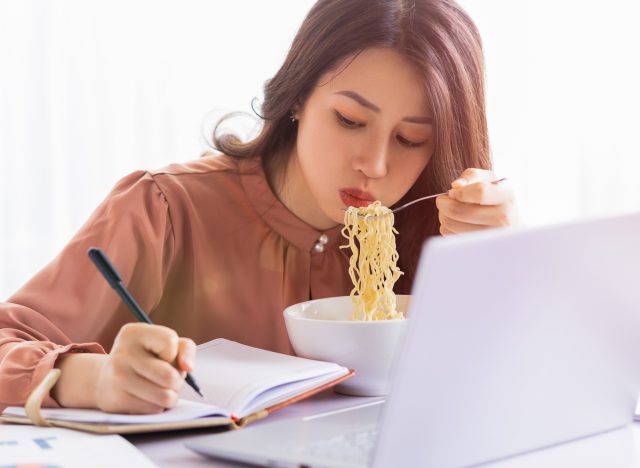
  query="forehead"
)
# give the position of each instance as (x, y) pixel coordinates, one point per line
(382, 76)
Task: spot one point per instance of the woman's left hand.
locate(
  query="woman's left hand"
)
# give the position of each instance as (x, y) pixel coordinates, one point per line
(474, 203)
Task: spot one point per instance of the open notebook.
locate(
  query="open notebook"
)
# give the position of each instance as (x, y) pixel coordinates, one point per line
(240, 384)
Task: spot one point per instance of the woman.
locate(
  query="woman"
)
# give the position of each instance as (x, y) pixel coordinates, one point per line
(375, 101)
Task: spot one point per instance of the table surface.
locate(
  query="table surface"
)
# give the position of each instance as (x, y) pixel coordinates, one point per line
(619, 448)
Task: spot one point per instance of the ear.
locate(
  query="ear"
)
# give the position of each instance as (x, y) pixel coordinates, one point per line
(296, 109)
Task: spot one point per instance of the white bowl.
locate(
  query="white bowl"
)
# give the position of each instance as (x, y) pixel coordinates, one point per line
(322, 329)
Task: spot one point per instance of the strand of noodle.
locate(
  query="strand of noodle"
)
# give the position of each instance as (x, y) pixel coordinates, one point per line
(373, 263)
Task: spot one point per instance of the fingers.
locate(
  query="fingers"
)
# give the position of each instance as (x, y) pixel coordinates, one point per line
(121, 389)
(163, 373)
(156, 339)
(158, 372)
(480, 215)
(451, 226)
(121, 401)
(149, 393)
(186, 354)
(475, 202)
(482, 193)
(146, 342)
(140, 374)
(473, 175)
(475, 186)
(163, 342)
(456, 217)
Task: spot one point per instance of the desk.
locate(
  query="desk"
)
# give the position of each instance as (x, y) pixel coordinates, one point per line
(615, 449)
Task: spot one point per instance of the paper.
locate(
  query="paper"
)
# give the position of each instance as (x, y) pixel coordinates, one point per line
(233, 375)
(63, 448)
(183, 411)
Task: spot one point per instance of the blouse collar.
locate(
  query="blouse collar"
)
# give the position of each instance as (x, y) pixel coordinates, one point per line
(277, 216)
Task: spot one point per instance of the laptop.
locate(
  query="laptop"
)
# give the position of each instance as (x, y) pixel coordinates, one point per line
(518, 340)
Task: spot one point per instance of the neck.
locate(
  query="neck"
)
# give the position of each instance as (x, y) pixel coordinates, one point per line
(289, 185)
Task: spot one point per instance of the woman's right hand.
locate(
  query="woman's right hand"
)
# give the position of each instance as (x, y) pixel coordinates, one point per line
(138, 375)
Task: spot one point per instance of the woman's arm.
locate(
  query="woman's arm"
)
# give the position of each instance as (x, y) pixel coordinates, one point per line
(68, 308)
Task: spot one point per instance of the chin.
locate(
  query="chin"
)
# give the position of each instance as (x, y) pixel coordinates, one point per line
(339, 218)
(336, 215)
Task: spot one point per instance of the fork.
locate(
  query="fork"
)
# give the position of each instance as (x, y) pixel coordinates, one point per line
(402, 207)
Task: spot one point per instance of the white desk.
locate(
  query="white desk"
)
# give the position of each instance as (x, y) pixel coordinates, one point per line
(615, 449)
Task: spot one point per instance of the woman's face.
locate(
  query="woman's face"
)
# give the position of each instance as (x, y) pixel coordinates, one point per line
(365, 134)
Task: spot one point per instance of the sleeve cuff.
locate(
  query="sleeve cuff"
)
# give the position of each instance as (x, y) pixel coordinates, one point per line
(48, 361)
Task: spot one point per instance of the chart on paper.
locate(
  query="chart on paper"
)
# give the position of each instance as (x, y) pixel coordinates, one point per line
(37, 447)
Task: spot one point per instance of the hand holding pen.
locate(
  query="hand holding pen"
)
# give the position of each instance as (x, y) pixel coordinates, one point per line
(143, 356)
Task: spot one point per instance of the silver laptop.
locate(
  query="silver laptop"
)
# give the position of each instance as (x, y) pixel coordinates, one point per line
(518, 340)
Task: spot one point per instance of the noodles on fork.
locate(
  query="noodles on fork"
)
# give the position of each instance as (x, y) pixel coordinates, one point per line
(373, 264)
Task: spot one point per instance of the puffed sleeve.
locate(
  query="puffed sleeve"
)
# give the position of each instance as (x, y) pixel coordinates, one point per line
(68, 306)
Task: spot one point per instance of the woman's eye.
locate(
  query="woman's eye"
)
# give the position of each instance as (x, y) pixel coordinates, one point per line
(408, 143)
(347, 122)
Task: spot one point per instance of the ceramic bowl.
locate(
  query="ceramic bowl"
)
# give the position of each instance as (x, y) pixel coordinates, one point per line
(322, 329)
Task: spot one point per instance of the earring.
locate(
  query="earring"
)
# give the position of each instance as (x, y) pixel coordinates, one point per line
(292, 117)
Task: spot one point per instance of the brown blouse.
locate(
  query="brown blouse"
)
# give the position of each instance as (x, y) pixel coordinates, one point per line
(205, 247)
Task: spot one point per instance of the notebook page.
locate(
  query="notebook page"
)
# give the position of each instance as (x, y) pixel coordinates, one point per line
(231, 374)
(184, 411)
(273, 396)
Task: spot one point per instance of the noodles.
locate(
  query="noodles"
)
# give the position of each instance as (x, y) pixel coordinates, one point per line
(373, 264)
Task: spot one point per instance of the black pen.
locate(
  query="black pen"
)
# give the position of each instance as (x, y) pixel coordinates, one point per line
(101, 261)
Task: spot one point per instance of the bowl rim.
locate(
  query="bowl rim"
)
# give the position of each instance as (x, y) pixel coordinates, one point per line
(289, 313)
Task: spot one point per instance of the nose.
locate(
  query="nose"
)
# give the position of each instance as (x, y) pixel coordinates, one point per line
(373, 160)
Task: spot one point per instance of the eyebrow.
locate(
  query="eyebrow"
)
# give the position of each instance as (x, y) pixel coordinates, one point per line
(370, 105)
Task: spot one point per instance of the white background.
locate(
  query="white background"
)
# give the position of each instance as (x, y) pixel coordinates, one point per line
(92, 90)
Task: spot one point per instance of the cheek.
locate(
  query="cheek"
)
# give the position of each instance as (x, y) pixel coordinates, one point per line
(423, 159)
(411, 167)
(405, 175)
(419, 166)
(321, 145)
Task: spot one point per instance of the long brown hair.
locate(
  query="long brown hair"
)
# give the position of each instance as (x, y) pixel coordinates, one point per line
(440, 39)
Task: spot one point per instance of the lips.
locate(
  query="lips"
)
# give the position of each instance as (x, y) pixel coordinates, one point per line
(356, 197)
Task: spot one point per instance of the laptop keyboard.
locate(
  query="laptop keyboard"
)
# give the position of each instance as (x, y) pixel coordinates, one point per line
(351, 447)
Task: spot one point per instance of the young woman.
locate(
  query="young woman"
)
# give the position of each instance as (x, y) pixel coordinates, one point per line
(375, 101)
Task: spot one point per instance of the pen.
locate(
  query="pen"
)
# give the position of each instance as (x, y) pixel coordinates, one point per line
(103, 264)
